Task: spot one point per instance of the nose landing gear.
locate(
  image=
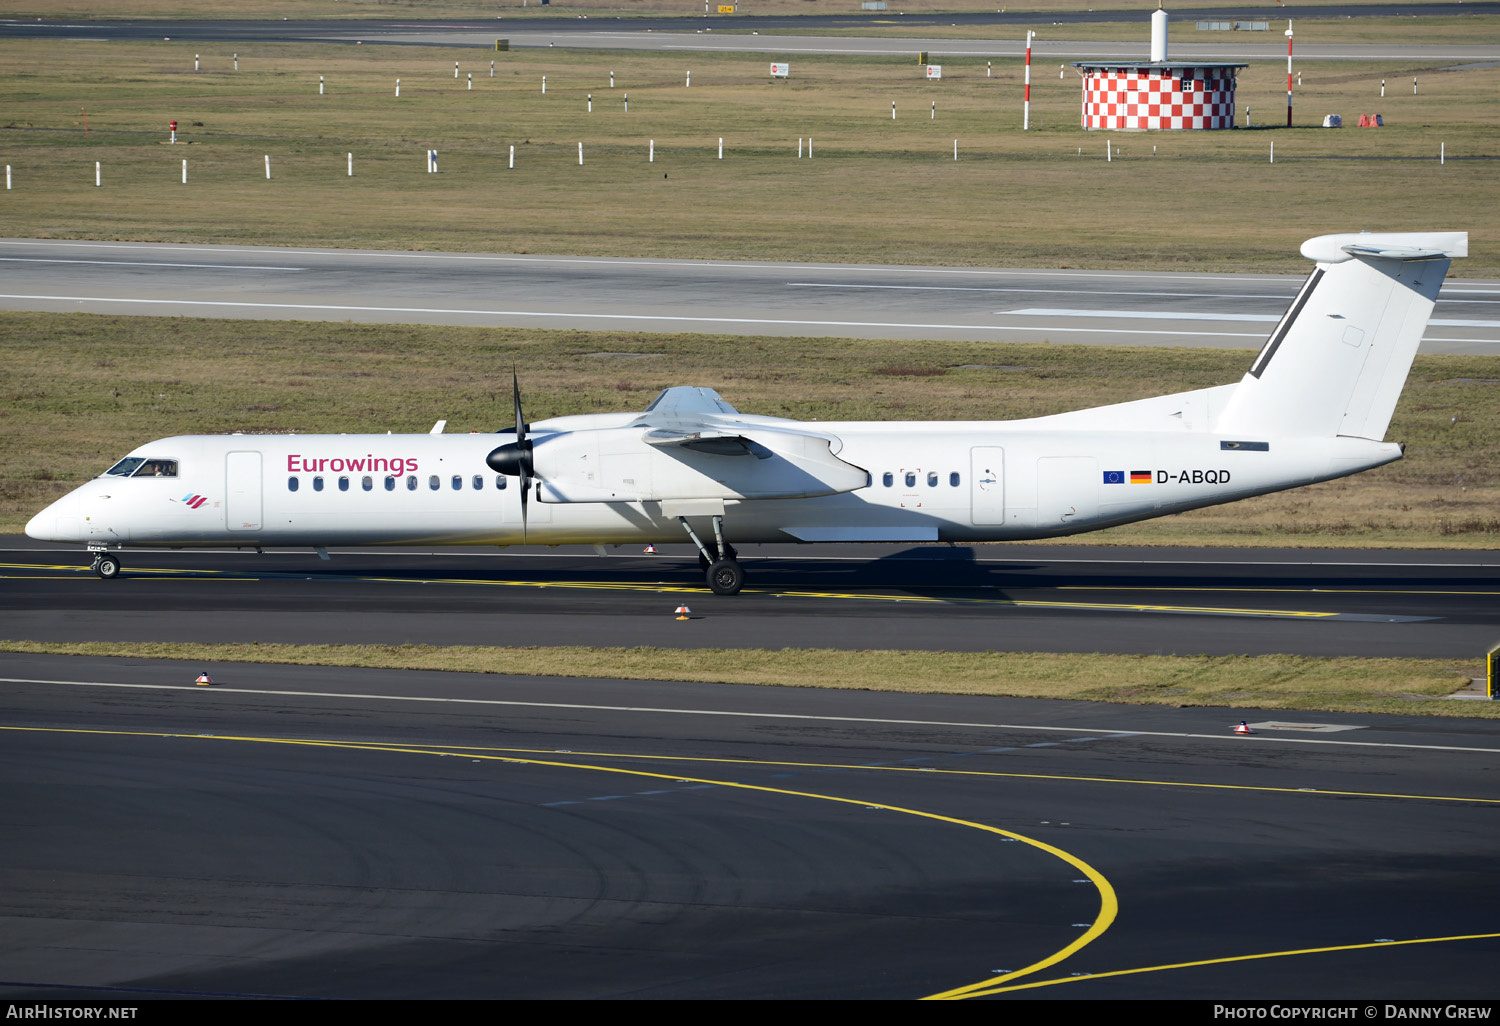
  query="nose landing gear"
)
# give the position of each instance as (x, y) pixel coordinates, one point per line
(106, 566)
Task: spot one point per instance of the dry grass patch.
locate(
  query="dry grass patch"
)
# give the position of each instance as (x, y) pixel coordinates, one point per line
(1406, 686)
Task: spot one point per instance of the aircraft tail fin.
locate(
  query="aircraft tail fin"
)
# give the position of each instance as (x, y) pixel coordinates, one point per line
(1336, 363)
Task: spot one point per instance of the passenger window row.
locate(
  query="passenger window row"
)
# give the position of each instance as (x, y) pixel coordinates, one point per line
(910, 478)
(434, 483)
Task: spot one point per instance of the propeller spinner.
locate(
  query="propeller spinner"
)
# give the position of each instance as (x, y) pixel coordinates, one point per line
(513, 459)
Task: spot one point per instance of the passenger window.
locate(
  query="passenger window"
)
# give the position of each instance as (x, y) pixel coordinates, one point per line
(932, 479)
(411, 482)
(291, 484)
(367, 483)
(500, 481)
(434, 482)
(390, 484)
(458, 483)
(157, 468)
(343, 484)
(887, 479)
(317, 484)
(911, 479)
(478, 482)
(953, 479)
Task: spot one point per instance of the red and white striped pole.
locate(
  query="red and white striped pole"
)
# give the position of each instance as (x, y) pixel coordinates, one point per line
(1289, 73)
(1026, 114)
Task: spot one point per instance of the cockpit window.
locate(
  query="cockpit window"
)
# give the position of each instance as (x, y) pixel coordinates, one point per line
(125, 467)
(157, 468)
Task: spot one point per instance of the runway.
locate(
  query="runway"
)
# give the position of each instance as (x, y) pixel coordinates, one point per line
(319, 833)
(990, 598)
(784, 299)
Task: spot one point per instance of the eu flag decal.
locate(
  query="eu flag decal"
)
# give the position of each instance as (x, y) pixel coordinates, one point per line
(1114, 477)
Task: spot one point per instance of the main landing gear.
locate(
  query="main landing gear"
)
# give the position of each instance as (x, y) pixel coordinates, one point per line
(721, 564)
(106, 566)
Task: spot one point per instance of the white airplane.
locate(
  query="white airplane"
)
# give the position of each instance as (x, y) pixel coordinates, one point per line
(1313, 406)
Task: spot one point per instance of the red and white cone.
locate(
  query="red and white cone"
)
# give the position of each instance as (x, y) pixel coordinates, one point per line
(203, 678)
(1243, 728)
(683, 612)
(650, 548)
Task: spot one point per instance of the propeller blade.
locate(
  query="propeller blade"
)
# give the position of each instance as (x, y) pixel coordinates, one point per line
(515, 384)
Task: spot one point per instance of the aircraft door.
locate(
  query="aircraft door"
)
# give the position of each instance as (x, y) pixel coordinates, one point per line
(1067, 490)
(987, 488)
(242, 491)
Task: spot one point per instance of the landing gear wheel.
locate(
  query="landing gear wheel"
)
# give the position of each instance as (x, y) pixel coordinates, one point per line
(726, 577)
(107, 567)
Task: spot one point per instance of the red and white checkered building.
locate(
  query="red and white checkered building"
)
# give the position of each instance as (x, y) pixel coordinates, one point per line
(1144, 95)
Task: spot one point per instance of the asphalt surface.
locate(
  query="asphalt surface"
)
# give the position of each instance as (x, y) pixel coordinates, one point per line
(830, 300)
(738, 33)
(1436, 605)
(307, 833)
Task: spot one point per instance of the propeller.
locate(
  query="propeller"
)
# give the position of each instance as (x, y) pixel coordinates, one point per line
(513, 459)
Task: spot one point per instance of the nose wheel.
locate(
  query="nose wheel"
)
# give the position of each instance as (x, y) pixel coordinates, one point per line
(107, 566)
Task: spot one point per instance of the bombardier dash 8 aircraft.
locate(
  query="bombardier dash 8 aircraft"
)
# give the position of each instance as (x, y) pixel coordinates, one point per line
(1313, 406)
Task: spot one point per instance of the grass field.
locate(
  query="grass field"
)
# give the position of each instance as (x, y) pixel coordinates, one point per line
(877, 189)
(78, 391)
(1394, 686)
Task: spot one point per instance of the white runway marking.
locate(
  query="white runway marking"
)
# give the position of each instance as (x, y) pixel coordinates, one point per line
(656, 710)
(147, 263)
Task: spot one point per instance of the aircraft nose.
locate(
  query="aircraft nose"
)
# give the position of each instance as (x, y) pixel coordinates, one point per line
(59, 522)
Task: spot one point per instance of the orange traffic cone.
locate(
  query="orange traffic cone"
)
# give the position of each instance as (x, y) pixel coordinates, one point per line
(203, 678)
(682, 612)
(1243, 728)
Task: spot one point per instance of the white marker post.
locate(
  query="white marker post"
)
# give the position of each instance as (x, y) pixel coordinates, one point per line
(236, 62)
(1414, 85)
(471, 81)
(611, 79)
(987, 69)
(934, 111)
(455, 69)
(580, 154)
(591, 103)
(195, 62)
(1026, 104)
(398, 87)
(544, 85)
(721, 147)
(96, 174)
(1109, 152)
(893, 110)
(268, 167)
(689, 83)
(627, 103)
(651, 153)
(1060, 68)
(1382, 87)
(7, 177)
(492, 69)
(1442, 159)
(320, 85)
(1273, 152)
(799, 147)
(184, 171)
(512, 156)
(351, 165)
(955, 149)
(809, 147)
